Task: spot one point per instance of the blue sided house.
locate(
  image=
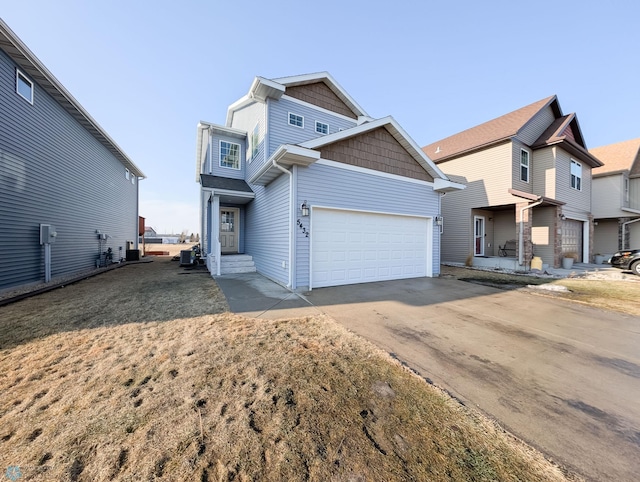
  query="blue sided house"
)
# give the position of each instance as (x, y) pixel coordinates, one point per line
(303, 186)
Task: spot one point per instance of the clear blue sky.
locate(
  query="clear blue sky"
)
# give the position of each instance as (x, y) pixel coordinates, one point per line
(148, 71)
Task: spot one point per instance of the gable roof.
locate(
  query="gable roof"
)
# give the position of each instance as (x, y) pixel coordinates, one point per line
(262, 88)
(618, 157)
(490, 132)
(566, 131)
(390, 124)
(29, 63)
(329, 81)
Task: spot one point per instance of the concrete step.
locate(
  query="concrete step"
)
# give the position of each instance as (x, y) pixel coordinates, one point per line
(237, 263)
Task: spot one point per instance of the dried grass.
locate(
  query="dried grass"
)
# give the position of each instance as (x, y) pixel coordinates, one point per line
(158, 390)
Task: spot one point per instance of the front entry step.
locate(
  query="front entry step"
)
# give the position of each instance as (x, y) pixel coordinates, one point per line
(237, 263)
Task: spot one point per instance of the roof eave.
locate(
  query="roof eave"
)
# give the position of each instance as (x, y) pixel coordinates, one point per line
(22, 55)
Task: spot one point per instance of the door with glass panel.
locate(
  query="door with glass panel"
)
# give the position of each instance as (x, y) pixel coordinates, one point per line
(229, 229)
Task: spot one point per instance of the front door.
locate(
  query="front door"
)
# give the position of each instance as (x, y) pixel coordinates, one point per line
(479, 235)
(229, 229)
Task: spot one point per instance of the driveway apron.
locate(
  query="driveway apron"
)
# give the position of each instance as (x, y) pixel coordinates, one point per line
(562, 376)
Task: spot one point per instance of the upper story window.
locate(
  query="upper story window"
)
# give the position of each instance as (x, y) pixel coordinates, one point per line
(626, 190)
(24, 87)
(254, 140)
(229, 155)
(576, 175)
(322, 128)
(126, 174)
(296, 120)
(524, 165)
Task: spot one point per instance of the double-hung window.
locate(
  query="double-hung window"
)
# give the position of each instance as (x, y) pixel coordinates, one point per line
(24, 87)
(229, 155)
(254, 141)
(576, 175)
(524, 165)
(296, 120)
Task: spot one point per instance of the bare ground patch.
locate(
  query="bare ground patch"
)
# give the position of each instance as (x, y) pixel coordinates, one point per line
(622, 295)
(168, 386)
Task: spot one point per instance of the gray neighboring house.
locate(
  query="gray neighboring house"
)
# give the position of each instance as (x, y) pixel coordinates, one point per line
(58, 167)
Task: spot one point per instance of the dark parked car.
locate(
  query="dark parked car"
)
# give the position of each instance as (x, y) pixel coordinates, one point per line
(627, 259)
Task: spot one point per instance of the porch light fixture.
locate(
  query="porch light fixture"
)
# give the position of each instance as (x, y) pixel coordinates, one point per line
(304, 208)
(439, 220)
(563, 217)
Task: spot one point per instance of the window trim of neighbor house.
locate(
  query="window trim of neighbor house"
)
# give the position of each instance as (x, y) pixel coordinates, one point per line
(295, 118)
(324, 128)
(576, 178)
(625, 189)
(21, 76)
(523, 166)
(221, 154)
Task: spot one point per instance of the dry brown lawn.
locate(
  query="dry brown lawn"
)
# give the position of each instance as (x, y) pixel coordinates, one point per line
(140, 373)
(622, 295)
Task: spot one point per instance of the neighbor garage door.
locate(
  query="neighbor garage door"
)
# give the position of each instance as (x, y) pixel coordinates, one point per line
(357, 247)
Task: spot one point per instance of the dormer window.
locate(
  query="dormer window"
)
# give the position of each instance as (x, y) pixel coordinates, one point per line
(524, 165)
(24, 87)
(296, 120)
(576, 175)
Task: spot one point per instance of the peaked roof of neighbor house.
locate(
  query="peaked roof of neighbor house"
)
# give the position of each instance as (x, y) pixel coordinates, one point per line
(490, 132)
(618, 157)
(27, 61)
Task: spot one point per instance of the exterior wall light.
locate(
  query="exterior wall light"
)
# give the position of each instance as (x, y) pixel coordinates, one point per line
(439, 220)
(304, 208)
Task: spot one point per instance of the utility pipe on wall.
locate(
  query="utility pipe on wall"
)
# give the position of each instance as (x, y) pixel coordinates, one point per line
(521, 240)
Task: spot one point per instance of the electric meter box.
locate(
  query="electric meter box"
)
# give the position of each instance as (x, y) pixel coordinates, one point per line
(47, 234)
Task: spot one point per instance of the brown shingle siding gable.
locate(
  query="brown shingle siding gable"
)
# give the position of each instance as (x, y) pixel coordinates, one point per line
(488, 133)
(377, 150)
(318, 93)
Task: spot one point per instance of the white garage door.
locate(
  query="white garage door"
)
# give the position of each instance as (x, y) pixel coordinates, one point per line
(357, 247)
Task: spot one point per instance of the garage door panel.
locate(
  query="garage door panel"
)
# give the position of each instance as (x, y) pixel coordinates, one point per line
(354, 247)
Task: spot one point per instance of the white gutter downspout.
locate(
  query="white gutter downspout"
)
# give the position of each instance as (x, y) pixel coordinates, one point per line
(278, 166)
(624, 228)
(521, 237)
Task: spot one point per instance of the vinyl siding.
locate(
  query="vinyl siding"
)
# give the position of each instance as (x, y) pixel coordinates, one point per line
(608, 196)
(544, 172)
(245, 120)
(578, 203)
(634, 235)
(53, 171)
(267, 234)
(536, 126)
(504, 229)
(634, 193)
(328, 186)
(516, 182)
(280, 132)
(213, 167)
(488, 177)
(542, 233)
(605, 237)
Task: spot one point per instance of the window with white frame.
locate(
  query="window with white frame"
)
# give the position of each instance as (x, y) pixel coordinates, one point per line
(24, 87)
(322, 128)
(524, 165)
(133, 179)
(126, 174)
(229, 155)
(296, 120)
(254, 140)
(576, 175)
(626, 190)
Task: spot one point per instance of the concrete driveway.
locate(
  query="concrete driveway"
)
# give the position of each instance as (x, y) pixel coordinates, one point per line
(561, 376)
